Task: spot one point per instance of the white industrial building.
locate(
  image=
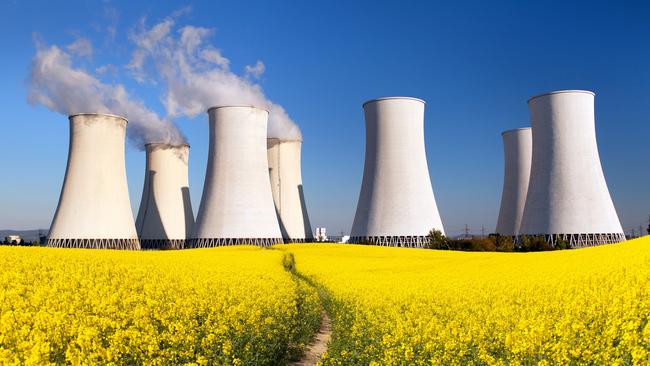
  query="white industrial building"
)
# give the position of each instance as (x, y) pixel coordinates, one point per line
(94, 210)
(286, 187)
(165, 218)
(237, 204)
(518, 150)
(321, 234)
(567, 195)
(13, 239)
(396, 205)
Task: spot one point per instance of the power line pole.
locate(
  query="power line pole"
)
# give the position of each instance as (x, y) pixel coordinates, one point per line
(482, 231)
(466, 231)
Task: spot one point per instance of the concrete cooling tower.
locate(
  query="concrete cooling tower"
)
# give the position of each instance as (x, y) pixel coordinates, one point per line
(567, 196)
(237, 204)
(165, 219)
(286, 186)
(396, 205)
(94, 210)
(518, 150)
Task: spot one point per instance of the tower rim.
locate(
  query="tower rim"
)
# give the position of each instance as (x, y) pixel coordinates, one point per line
(98, 114)
(184, 144)
(567, 91)
(513, 130)
(394, 97)
(237, 106)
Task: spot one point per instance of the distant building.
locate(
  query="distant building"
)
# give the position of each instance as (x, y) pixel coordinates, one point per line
(321, 234)
(13, 239)
(345, 239)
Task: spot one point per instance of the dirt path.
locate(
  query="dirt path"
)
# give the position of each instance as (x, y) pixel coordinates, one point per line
(318, 346)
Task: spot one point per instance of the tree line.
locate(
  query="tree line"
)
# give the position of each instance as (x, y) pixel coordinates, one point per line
(494, 243)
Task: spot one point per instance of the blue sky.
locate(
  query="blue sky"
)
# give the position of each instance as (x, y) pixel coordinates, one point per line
(475, 63)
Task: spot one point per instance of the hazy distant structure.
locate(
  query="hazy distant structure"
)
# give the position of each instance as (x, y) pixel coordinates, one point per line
(396, 205)
(518, 151)
(567, 195)
(94, 210)
(237, 203)
(13, 239)
(165, 218)
(321, 234)
(286, 187)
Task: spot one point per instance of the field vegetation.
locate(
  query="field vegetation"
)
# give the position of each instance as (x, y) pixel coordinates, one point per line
(389, 306)
(395, 306)
(233, 305)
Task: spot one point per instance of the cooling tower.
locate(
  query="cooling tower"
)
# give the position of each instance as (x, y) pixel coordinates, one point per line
(567, 196)
(237, 204)
(94, 210)
(396, 205)
(165, 219)
(518, 150)
(286, 186)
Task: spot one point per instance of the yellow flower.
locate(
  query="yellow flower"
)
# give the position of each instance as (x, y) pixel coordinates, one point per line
(397, 306)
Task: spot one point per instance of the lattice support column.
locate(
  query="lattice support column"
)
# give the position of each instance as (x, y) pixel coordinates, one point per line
(581, 240)
(414, 241)
(163, 244)
(218, 242)
(124, 244)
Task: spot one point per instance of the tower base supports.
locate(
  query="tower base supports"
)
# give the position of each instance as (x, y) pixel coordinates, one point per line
(162, 243)
(581, 240)
(298, 241)
(219, 242)
(409, 241)
(128, 244)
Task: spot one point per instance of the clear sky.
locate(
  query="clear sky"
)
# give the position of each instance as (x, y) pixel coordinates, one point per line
(475, 64)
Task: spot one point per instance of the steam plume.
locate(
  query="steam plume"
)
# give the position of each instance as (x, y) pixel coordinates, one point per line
(198, 76)
(57, 84)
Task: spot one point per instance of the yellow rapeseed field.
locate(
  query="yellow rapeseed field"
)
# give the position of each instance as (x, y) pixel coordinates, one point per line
(390, 306)
(209, 306)
(396, 306)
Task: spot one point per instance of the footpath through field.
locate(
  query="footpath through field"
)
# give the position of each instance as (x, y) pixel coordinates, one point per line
(395, 306)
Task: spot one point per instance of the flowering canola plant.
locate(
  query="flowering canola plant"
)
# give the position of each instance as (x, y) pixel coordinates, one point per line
(390, 306)
(395, 306)
(234, 305)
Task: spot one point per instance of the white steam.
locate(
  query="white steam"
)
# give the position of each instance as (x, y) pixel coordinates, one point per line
(57, 84)
(198, 76)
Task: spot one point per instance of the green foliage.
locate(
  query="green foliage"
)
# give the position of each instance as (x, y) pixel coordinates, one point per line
(367, 242)
(561, 243)
(289, 263)
(437, 240)
(492, 243)
(533, 243)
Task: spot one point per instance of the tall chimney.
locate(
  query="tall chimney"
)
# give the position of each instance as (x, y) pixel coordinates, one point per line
(165, 218)
(237, 204)
(518, 149)
(396, 205)
(567, 196)
(287, 189)
(94, 210)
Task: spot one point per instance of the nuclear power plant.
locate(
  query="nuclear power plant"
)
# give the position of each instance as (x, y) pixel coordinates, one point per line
(396, 205)
(165, 218)
(94, 210)
(286, 187)
(553, 186)
(567, 195)
(518, 150)
(237, 204)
